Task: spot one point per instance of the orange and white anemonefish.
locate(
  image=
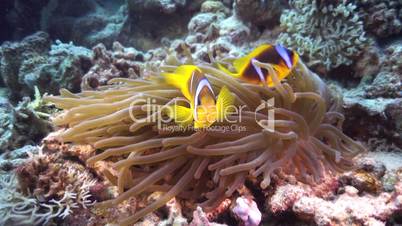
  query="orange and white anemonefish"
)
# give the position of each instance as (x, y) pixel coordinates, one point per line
(205, 108)
(282, 60)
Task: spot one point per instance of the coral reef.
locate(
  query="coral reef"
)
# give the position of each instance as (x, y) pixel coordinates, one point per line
(376, 101)
(200, 218)
(20, 18)
(146, 32)
(36, 188)
(328, 33)
(246, 209)
(342, 203)
(108, 119)
(356, 44)
(350, 208)
(85, 22)
(121, 62)
(54, 187)
(260, 13)
(12, 159)
(215, 31)
(381, 18)
(16, 206)
(31, 50)
(34, 62)
(20, 125)
(51, 67)
(19, 209)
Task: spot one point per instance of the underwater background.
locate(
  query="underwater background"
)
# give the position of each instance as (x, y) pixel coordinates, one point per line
(82, 46)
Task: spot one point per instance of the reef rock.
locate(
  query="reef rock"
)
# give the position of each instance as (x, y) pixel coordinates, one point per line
(19, 18)
(85, 22)
(345, 205)
(381, 18)
(201, 218)
(20, 125)
(119, 62)
(149, 21)
(350, 208)
(260, 13)
(373, 108)
(35, 62)
(19, 59)
(11, 160)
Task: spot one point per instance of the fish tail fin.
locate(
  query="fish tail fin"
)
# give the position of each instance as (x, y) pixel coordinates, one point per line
(224, 103)
(180, 114)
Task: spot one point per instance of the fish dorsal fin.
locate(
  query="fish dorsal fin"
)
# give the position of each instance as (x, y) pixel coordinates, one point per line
(233, 74)
(180, 78)
(257, 51)
(172, 79)
(224, 103)
(241, 62)
(186, 70)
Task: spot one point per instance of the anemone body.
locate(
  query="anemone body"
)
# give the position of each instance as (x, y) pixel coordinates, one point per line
(299, 135)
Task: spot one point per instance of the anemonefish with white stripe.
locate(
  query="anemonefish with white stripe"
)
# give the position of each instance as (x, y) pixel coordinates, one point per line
(205, 108)
(282, 60)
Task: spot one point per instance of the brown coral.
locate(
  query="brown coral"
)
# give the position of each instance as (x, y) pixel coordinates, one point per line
(207, 165)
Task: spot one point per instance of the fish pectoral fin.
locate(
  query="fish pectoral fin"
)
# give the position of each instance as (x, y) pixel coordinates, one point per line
(224, 103)
(186, 70)
(180, 114)
(198, 125)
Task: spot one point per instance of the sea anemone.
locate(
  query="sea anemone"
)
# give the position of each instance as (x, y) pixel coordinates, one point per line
(292, 128)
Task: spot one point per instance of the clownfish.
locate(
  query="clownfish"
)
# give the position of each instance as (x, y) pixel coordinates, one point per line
(282, 60)
(205, 108)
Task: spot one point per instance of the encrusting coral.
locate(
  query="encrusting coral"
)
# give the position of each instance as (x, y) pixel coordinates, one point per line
(299, 134)
(43, 188)
(381, 18)
(327, 32)
(17, 208)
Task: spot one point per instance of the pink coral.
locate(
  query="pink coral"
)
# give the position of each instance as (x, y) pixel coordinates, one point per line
(247, 211)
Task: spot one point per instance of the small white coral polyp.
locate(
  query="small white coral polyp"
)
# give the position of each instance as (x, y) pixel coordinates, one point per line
(330, 32)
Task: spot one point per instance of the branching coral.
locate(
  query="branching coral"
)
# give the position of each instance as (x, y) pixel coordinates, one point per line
(326, 32)
(299, 135)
